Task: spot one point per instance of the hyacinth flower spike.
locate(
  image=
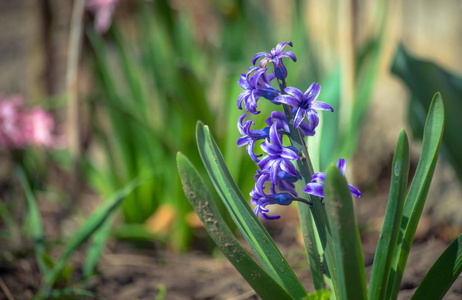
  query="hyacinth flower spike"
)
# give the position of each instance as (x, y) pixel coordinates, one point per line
(304, 104)
(316, 186)
(278, 157)
(275, 57)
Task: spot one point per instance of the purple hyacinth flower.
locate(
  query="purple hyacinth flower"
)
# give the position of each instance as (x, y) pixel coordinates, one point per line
(278, 157)
(261, 200)
(250, 137)
(304, 104)
(255, 86)
(284, 182)
(316, 186)
(280, 118)
(275, 57)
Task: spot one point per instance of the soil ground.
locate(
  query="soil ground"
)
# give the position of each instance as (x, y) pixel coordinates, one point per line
(129, 271)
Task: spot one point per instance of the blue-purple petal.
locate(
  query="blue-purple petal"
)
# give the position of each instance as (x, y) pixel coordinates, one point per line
(296, 93)
(354, 191)
(289, 54)
(286, 99)
(313, 118)
(315, 189)
(341, 165)
(319, 176)
(299, 117)
(312, 92)
(258, 55)
(318, 105)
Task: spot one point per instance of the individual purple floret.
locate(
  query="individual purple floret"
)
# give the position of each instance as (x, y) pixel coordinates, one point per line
(316, 186)
(280, 118)
(304, 104)
(261, 200)
(278, 157)
(250, 137)
(275, 57)
(255, 86)
(284, 182)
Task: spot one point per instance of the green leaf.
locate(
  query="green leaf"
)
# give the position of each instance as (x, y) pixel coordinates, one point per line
(35, 221)
(423, 78)
(69, 292)
(96, 247)
(391, 224)
(253, 231)
(442, 274)
(12, 230)
(418, 191)
(349, 262)
(196, 191)
(88, 228)
(318, 295)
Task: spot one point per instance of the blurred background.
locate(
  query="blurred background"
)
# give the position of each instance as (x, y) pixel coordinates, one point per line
(121, 84)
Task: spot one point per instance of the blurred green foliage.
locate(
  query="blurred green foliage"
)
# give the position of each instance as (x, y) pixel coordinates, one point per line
(424, 78)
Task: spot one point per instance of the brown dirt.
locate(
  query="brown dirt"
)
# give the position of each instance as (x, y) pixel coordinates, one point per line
(139, 272)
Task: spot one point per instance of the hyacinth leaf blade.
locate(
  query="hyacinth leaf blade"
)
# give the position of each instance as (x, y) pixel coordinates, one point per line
(196, 191)
(319, 295)
(442, 274)
(35, 222)
(391, 224)
(418, 191)
(253, 231)
(349, 262)
(94, 222)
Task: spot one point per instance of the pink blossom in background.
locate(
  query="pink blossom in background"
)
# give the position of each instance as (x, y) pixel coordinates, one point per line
(38, 127)
(22, 127)
(11, 134)
(103, 10)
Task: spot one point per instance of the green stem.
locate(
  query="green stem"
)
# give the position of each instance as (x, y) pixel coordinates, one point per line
(307, 213)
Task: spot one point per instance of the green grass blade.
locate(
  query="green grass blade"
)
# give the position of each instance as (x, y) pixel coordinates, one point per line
(35, 221)
(418, 191)
(349, 262)
(196, 191)
(96, 247)
(89, 227)
(390, 229)
(68, 293)
(253, 231)
(442, 274)
(12, 230)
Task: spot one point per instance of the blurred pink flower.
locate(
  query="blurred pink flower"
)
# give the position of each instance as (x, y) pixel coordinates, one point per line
(11, 134)
(20, 127)
(38, 127)
(103, 10)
